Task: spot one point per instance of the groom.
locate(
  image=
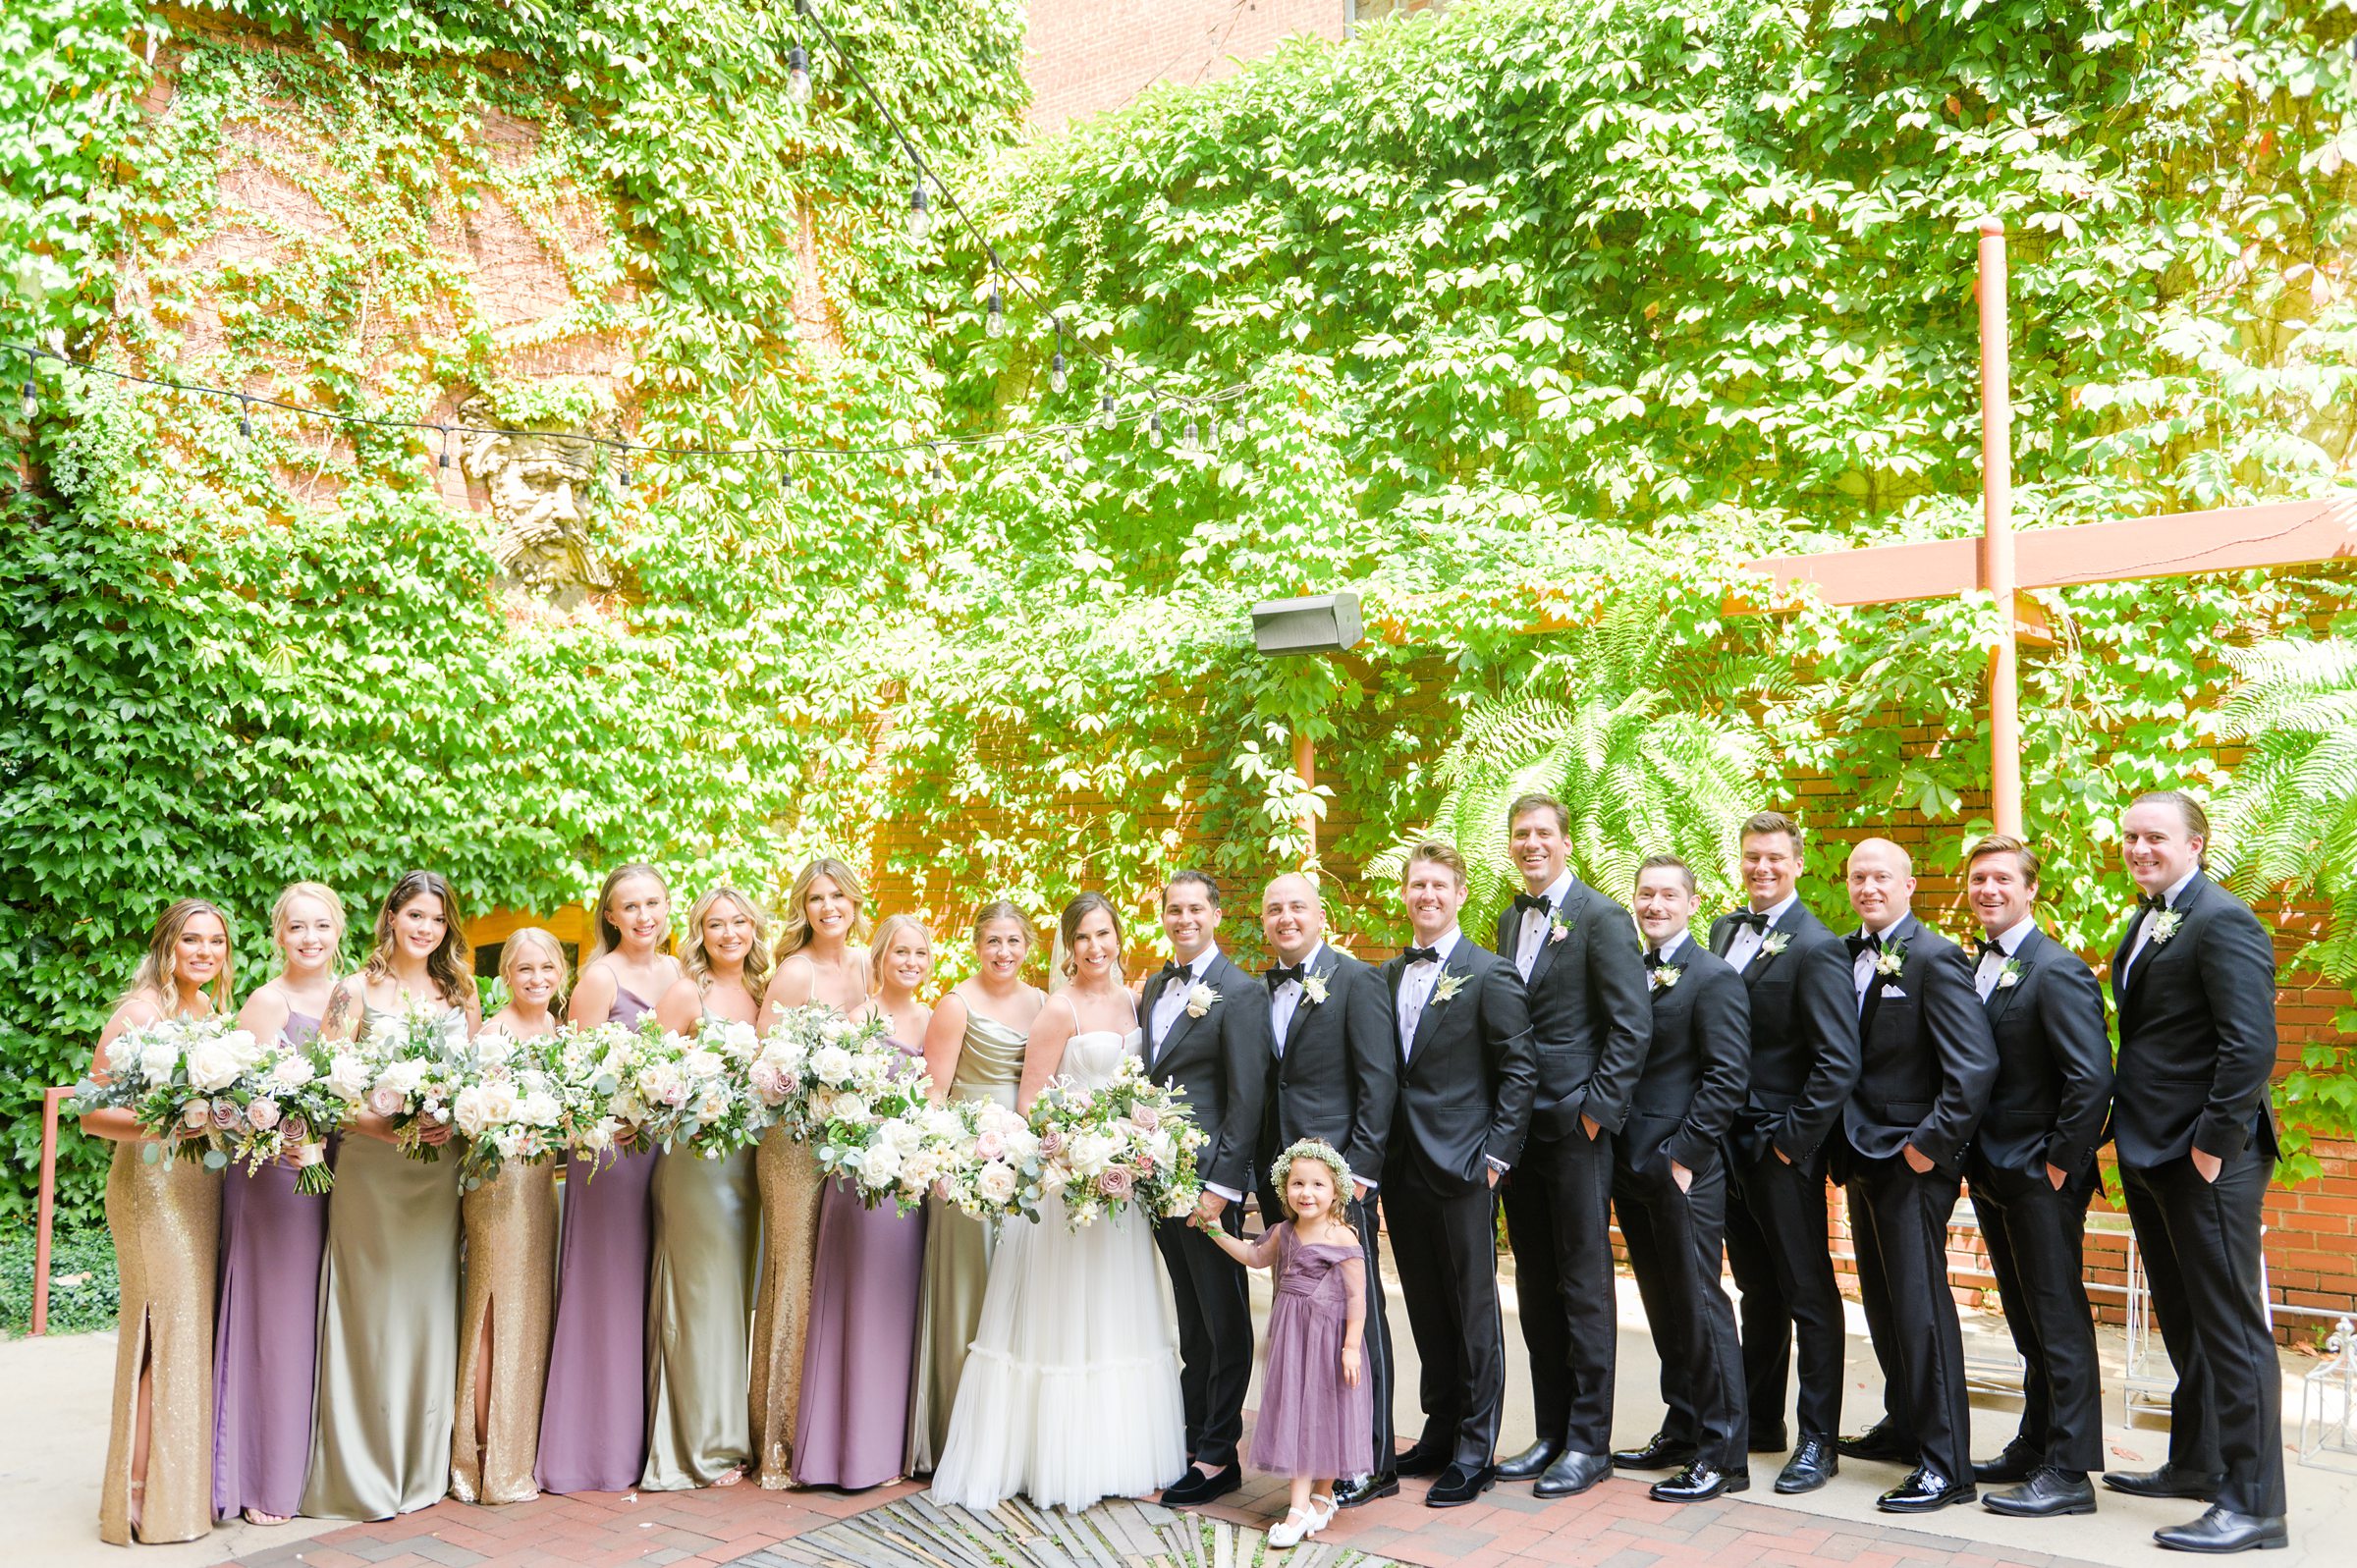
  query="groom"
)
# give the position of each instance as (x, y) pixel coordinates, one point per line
(1207, 1036)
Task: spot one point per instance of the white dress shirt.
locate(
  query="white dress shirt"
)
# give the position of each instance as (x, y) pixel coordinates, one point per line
(1992, 962)
(1415, 988)
(1172, 1000)
(1747, 942)
(1286, 998)
(2144, 921)
(1668, 950)
(1537, 923)
(1861, 968)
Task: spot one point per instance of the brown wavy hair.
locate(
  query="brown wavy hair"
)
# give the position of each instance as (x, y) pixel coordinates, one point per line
(448, 964)
(154, 977)
(796, 918)
(698, 963)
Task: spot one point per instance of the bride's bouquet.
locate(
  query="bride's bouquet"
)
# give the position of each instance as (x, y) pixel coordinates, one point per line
(296, 1096)
(183, 1080)
(1128, 1142)
(509, 1107)
(696, 1090)
(416, 1062)
(995, 1170)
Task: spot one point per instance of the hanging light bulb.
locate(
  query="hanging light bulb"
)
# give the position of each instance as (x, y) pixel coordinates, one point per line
(32, 398)
(245, 419)
(920, 217)
(797, 74)
(1108, 413)
(994, 321)
(1074, 464)
(1194, 434)
(1154, 430)
(1211, 432)
(1057, 379)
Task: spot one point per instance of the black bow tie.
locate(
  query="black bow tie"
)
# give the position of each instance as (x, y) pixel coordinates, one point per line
(1277, 976)
(1653, 957)
(1422, 956)
(1753, 918)
(1863, 941)
(1983, 946)
(1175, 971)
(2151, 901)
(1533, 900)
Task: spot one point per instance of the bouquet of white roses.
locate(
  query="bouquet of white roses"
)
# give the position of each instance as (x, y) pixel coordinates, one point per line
(507, 1107)
(694, 1090)
(416, 1062)
(1128, 1142)
(295, 1097)
(589, 1071)
(995, 1170)
(184, 1082)
(871, 1120)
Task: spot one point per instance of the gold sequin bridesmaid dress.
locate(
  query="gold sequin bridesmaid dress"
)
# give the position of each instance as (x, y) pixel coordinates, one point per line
(790, 1188)
(507, 1314)
(165, 1218)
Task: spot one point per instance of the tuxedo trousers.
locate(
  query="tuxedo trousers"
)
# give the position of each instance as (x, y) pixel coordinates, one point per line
(1776, 1246)
(2200, 1244)
(1558, 1216)
(1445, 1237)
(1375, 1336)
(1215, 1334)
(1674, 1249)
(1898, 1219)
(2036, 1234)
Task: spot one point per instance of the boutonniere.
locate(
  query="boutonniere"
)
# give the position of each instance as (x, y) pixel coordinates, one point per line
(1664, 976)
(1557, 930)
(1201, 999)
(2010, 975)
(1776, 942)
(2165, 923)
(1890, 959)
(1314, 988)
(1446, 986)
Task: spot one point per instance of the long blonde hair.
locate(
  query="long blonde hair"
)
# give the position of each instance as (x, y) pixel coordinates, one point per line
(511, 951)
(286, 904)
(795, 922)
(609, 935)
(891, 927)
(698, 963)
(154, 976)
(447, 965)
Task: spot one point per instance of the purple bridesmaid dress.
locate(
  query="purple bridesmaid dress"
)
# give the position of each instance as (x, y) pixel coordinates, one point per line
(593, 1418)
(267, 1333)
(860, 1350)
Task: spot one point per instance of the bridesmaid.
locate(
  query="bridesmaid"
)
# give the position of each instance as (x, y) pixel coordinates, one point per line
(706, 1233)
(165, 1218)
(816, 962)
(389, 1291)
(511, 1226)
(973, 1044)
(593, 1424)
(862, 1349)
(272, 1239)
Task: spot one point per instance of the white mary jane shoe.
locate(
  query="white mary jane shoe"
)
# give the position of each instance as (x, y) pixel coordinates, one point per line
(1296, 1524)
(1322, 1509)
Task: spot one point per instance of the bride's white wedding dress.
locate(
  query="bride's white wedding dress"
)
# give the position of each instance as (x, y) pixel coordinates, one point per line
(1071, 1393)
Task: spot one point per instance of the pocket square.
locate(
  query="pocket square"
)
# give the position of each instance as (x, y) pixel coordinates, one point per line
(1892, 993)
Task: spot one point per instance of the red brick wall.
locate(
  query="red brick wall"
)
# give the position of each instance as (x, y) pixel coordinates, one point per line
(1088, 55)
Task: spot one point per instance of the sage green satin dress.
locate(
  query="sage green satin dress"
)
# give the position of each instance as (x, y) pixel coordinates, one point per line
(958, 1249)
(388, 1331)
(707, 1232)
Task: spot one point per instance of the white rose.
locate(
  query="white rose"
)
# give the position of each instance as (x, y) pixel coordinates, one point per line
(347, 1076)
(291, 1072)
(213, 1066)
(903, 1134)
(494, 1050)
(158, 1058)
(539, 1108)
(995, 1181)
(833, 1029)
(832, 1063)
(241, 1045)
(739, 1037)
(702, 1063)
(851, 1108)
(713, 1107)
(407, 1076)
(879, 1166)
(385, 1033)
(1089, 1152)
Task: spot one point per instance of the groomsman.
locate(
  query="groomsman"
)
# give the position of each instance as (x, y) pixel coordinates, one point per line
(1927, 1065)
(1335, 1078)
(1467, 1073)
(2195, 980)
(1576, 952)
(2032, 1170)
(1207, 1033)
(1804, 1064)
(1670, 1189)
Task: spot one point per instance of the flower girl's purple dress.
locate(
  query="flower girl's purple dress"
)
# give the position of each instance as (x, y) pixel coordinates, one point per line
(1311, 1423)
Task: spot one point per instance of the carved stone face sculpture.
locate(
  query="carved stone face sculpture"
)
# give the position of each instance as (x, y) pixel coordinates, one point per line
(539, 483)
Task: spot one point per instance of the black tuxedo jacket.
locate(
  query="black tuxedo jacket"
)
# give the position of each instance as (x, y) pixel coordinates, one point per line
(1466, 1089)
(1804, 1037)
(1589, 1012)
(1699, 1064)
(1337, 1077)
(2197, 1032)
(2054, 1063)
(1927, 1060)
(1220, 1061)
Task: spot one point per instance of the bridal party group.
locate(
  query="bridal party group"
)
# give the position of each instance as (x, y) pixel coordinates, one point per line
(676, 1321)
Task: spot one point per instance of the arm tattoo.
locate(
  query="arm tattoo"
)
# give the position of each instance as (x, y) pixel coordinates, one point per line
(338, 1011)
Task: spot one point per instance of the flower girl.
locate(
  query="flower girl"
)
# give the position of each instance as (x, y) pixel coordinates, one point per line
(1316, 1415)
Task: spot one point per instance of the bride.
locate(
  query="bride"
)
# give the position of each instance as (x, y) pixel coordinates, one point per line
(1071, 1393)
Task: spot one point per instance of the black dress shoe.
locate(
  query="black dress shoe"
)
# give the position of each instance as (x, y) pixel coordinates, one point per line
(1880, 1441)
(1659, 1453)
(2048, 1491)
(1459, 1486)
(1768, 1440)
(2222, 1530)
(2018, 1461)
(1528, 1465)
(2165, 1482)
(1366, 1489)
(1571, 1474)
(1812, 1465)
(1925, 1491)
(1195, 1488)
(1699, 1482)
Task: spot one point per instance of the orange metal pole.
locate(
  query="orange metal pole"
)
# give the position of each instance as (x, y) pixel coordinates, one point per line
(1305, 768)
(51, 1100)
(1997, 541)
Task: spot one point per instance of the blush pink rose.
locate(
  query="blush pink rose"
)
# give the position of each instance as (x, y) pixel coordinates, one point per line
(263, 1114)
(297, 1130)
(1051, 1143)
(1146, 1117)
(225, 1113)
(1115, 1181)
(196, 1115)
(385, 1099)
(990, 1146)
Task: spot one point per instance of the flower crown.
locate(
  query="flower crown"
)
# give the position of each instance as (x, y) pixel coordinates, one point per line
(1281, 1168)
